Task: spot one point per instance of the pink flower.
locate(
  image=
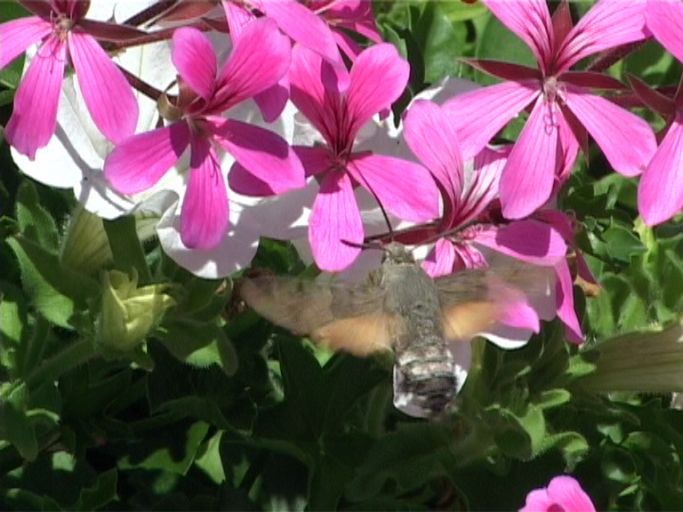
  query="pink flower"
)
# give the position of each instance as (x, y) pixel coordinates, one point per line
(258, 60)
(660, 193)
(563, 494)
(562, 106)
(347, 16)
(405, 189)
(470, 223)
(63, 33)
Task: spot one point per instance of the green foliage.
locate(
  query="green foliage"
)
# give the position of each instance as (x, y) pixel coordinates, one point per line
(213, 408)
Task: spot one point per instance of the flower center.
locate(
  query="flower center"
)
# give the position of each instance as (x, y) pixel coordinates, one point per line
(550, 89)
(61, 24)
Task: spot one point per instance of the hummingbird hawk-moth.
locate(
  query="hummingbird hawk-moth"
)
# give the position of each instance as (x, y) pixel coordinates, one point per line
(398, 307)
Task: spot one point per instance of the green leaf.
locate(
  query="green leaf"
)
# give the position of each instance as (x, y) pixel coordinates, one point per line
(126, 247)
(462, 11)
(12, 314)
(35, 222)
(55, 291)
(15, 426)
(102, 492)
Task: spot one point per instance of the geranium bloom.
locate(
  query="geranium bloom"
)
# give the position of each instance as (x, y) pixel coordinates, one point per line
(660, 193)
(561, 103)
(258, 60)
(63, 33)
(405, 189)
(467, 225)
(562, 494)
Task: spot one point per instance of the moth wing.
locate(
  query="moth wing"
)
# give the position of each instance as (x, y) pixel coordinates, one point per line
(473, 300)
(337, 316)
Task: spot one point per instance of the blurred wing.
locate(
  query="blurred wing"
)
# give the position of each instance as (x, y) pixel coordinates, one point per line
(339, 317)
(473, 300)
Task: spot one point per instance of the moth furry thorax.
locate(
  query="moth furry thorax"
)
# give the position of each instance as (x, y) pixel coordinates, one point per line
(397, 308)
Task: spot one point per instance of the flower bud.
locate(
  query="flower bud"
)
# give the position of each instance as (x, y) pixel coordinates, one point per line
(128, 313)
(644, 361)
(85, 247)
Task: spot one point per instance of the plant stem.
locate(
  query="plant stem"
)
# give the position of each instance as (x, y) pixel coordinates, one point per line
(69, 358)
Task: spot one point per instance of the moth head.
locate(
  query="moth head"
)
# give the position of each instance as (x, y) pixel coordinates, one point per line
(395, 252)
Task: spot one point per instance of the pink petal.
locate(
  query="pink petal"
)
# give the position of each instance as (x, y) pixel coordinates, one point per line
(314, 159)
(355, 15)
(34, 116)
(516, 310)
(479, 114)
(107, 94)
(273, 100)
(526, 240)
(538, 501)
(564, 295)
(530, 21)
(660, 193)
(245, 183)
(482, 184)
(404, 188)
(665, 19)
(378, 77)
(238, 17)
(626, 140)
(609, 23)
(204, 215)
(195, 60)
(140, 161)
(260, 57)
(527, 180)
(347, 45)
(304, 27)
(431, 137)
(17, 35)
(441, 259)
(315, 90)
(263, 153)
(566, 492)
(335, 217)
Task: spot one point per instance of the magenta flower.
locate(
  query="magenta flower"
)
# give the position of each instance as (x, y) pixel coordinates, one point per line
(347, 17)
(469, 221)
(660, 193)
(405, 189)
(563, 494)
(64, 34)
(258, 60)
(562, 106)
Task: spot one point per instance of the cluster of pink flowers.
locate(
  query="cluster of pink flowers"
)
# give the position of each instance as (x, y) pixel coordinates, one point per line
(459, 192)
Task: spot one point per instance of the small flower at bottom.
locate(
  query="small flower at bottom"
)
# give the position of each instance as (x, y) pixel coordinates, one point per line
(563, 494)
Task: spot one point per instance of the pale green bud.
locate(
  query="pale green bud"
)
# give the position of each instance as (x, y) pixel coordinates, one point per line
(129, 313)
(645, 361)
(85, 247)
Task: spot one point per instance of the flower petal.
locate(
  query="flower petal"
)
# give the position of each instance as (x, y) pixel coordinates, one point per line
(530, 21)
(36, 101)
(609, 23)
(441, 259)
(526, 240)
(305, 27)
(195, 60)
(564, 295)
(527, 179)
(568, 494)
(315, 90)
(238, 17)
(404, 188)
(335, 217)
(263, 153)
(107, 94)
(17, 35)
(479, 114)
(660, 193)
(378, 77)
(314, 159)
(481, 183)
(665, 19)
(273, 100)
(139, 162)
(431, 137)
(260, 57)
(626, 140)
(204, 215)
